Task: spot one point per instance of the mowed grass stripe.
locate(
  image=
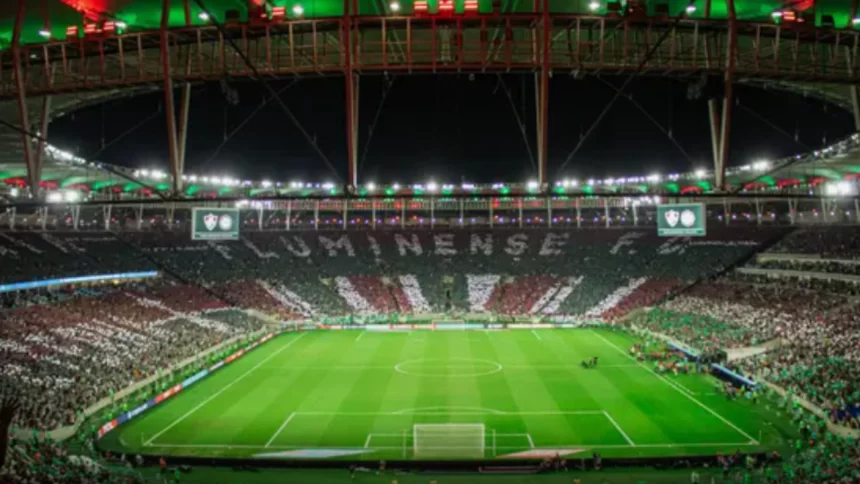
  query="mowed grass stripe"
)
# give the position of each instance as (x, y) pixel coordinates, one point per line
(163, 416)
(342, 390)
(577, 388)
(367, 390)
(686, 419)
(242, 415)
(613, 394)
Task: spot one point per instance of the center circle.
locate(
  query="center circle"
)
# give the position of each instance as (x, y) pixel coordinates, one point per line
(448, 367)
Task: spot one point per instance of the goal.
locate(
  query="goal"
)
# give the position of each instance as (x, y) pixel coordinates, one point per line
(448, 441)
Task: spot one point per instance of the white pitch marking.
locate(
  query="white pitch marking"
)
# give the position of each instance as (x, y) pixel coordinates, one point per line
(367, 442)
(219, 392)
(623, 434)
(537, 335)
(531, 442)
(360, 335)
(693, 399)
(617, 446)
(281, 429)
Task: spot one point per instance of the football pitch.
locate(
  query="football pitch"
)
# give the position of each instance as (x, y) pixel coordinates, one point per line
(449, 395)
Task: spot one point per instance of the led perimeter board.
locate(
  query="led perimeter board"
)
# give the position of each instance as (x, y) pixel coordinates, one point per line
(215, 224)
(681, 220)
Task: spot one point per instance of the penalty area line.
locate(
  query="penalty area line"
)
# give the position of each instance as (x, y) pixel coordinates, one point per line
(360, 335)
(219, 392)
(280, 429)
(682, 392)
(618, 427)
(537, 335)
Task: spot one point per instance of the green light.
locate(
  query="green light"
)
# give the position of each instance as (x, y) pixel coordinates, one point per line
(504, 190)
(390, 191)
(192, 189)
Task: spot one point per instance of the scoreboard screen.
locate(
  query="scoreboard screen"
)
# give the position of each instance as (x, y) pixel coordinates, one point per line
(215, 224)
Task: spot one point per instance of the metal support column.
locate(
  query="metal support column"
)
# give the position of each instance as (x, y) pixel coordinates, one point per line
(857, 210)
(351, 85)
(606, 211)
(792, 210)
(106, 213)
(289, 220)
(520, 210)
(462, 212)
(548, 212)
(542, 94)
(727, 210)
(578, 214)
(76, 216)
(373, 214)
(635, 216)
(824, 210)
(345, 212)
(758, 212)
(171, 215)
(402, 213)
(491, 213)
(169, 107)
(139, 217)
(34, 169)
(11, 212)
(184, 100)
(317, 215)
(44, 216)
(728, 98)
(853, 89)
(432, 213)
(260, 218)
(45, 119)
(714, 118)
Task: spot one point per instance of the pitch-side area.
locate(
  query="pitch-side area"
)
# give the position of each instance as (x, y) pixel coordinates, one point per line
(449, 395)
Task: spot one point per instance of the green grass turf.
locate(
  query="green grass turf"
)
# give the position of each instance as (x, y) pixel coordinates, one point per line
(365, 390)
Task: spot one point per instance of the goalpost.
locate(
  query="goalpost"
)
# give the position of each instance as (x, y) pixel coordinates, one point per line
(448, 441)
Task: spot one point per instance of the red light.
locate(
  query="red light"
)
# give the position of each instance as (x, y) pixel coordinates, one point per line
(72, 31)
(446, 6)
(90, 29)
(109, 27)
(789, 16)
(470, 6)
(279, 12)
(420, 7)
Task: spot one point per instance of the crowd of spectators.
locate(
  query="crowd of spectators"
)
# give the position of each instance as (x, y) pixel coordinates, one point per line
(814, 320)
(63, 357)
(827, 241)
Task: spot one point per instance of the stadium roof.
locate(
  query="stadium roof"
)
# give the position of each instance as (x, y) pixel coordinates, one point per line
(47, 20)
(146, 14)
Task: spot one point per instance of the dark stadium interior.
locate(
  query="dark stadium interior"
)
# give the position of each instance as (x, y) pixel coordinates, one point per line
(444, 241)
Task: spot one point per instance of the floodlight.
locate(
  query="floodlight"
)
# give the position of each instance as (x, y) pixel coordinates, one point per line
(298, 10)
(203, 16)
(45, 33)
(394, 6)
(594, 6)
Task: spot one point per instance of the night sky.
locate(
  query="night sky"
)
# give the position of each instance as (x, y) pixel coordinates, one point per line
(450, 127)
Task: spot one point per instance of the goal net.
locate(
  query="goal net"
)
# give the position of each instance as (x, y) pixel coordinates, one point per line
(448, 441)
